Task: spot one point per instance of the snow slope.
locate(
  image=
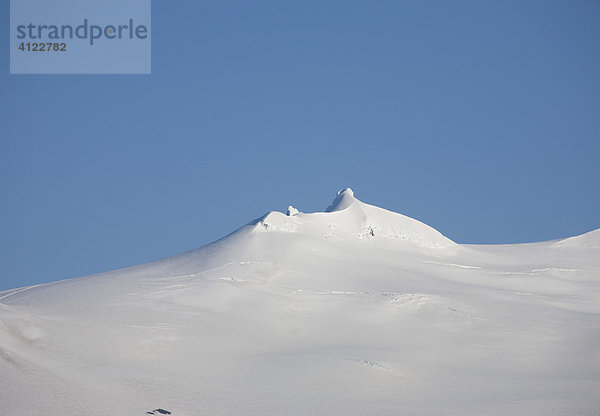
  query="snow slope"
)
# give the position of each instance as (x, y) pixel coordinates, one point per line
(353, 311)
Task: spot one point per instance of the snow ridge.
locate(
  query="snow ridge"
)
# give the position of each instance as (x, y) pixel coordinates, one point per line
(349, 218)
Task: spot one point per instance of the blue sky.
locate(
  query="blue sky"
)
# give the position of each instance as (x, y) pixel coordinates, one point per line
(480, 118)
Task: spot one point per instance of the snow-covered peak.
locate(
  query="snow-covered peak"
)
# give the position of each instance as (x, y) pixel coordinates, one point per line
(349, 219)
(292, 211)
(344, 198)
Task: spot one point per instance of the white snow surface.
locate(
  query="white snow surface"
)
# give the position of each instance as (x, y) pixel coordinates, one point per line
(353, 311)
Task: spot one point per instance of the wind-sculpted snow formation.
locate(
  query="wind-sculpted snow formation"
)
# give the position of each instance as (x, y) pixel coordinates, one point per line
(352, 311)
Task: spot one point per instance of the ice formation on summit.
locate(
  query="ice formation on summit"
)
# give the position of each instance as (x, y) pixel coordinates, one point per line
(347, 217)
(344, 198)
(291, 211)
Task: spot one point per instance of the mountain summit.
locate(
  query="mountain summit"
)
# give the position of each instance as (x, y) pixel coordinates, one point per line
(353, 311)
(349, 218)
(345, 198)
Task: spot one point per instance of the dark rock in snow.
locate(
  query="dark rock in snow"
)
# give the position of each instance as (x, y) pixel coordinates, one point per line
(159, 411)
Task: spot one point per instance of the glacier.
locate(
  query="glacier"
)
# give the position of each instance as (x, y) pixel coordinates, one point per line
(353, 311)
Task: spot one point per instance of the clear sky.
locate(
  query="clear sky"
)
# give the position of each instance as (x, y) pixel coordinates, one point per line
(480, 118)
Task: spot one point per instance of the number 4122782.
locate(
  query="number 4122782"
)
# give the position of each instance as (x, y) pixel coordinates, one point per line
(43, 47)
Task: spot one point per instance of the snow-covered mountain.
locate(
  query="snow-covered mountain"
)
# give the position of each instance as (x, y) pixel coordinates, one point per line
(352, 311)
